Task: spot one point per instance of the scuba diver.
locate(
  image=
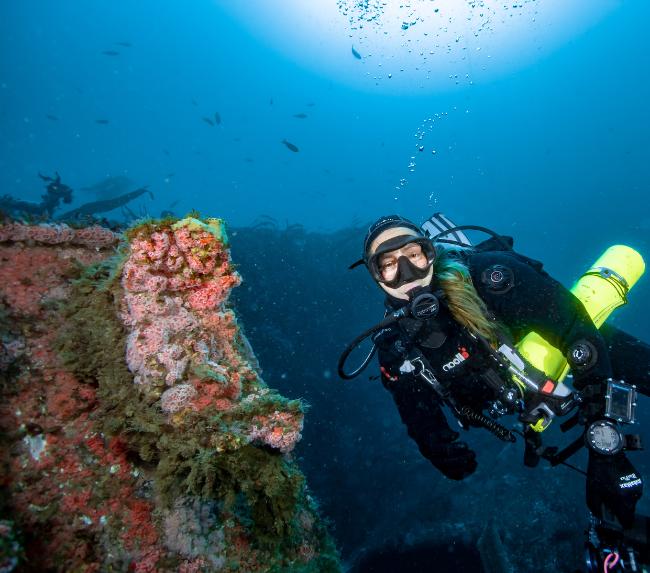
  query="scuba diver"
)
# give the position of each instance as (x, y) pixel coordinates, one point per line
(455, 314)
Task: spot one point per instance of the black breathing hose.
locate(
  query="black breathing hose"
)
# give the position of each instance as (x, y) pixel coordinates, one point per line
(490, 425)
(421, 305)
(358, 340)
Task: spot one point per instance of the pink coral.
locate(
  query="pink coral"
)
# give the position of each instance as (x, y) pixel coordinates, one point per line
(211, 294)
(95, 237)
(198, 248)
(28, 275)
(176, 398)
(52, 234)
(172, 288)
(280, 430)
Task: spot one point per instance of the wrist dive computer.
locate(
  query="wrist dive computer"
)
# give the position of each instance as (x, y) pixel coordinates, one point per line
(604, 437)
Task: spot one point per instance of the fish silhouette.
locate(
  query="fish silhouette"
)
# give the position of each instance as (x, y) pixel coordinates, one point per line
(208, 121)
(290, 146)
(356, 54)
(217, 118)
(104, 206)
(102, 121)
(300, 115)
(110, 53)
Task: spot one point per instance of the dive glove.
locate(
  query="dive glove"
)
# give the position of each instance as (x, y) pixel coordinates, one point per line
(454, 458)
(613, 482)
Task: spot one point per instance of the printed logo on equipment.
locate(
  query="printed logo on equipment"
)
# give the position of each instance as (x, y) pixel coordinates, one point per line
(461, 356)
(630, 480)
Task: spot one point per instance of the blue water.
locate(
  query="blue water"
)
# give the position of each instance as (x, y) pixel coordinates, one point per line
(561, 139)
(554, 152)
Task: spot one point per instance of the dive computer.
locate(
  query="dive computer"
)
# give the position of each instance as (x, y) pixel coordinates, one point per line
(603, 437)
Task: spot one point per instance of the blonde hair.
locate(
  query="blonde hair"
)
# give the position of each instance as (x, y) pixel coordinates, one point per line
(465, 304)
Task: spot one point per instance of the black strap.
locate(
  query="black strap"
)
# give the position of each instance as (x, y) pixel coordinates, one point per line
(556, 458)
(572, 422)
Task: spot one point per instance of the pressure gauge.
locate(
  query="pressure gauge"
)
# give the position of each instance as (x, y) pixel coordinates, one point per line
(604, 438)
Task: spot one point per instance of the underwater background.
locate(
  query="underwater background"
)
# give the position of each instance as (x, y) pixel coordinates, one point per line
(298, 123)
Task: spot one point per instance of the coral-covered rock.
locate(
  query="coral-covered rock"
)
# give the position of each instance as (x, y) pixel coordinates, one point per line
(95, 237)
(175, 282)
(177, 397)
(137, 432)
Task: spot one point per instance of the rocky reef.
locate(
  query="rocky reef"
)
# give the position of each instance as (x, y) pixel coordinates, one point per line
(137, 432)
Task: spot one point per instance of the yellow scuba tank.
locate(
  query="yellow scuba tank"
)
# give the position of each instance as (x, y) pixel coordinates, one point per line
(601, 289)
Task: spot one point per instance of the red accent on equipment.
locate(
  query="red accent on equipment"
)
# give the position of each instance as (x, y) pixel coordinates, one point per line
(548, 387)
(387, 374)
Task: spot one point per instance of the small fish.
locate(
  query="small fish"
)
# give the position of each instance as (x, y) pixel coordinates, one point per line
(102, 121)
(271, 101)
(124, 44)
(208, 121)
(356, 54)
(249, 160)
(290, 146)
(300, 115)
(311, 104)
(166, 152)
(170, 175)
(217, 118)
(52, 117)
(110, 53)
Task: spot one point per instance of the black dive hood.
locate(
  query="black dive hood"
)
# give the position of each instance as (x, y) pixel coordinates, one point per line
(422, 304)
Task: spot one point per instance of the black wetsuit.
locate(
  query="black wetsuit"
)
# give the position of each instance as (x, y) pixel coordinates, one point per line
(531, 301)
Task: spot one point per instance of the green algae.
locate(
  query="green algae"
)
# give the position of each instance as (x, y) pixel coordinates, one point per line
(145, 227)
(215, 227)
(149, 225)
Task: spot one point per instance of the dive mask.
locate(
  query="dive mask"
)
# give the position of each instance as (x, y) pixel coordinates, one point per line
(412, 260)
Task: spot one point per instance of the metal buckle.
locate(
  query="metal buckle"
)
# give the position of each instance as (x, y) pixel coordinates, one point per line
(608, 273)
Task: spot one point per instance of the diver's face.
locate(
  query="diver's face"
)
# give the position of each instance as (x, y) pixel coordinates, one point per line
(399, 260)
(388, 263)
(404, 269)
